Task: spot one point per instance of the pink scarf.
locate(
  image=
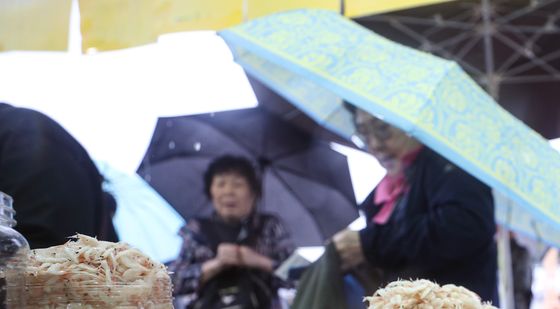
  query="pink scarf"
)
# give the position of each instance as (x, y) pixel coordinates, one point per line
(391, 188)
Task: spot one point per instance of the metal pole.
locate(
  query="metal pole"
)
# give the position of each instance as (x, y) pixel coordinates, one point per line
(505, 266)
(488, 29)
(505, 277)
(245, 10)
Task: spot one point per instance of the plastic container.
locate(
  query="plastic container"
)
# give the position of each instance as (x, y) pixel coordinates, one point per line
(89, 273)
(68, 296)
(14, 251)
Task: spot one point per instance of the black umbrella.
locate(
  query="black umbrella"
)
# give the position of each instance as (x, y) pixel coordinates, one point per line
(511, 47)
(305, 182)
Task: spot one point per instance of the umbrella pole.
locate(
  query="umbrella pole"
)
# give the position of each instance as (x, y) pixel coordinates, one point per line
(505, 273)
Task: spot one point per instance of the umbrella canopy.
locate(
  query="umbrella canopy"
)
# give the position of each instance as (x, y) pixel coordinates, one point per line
(511, 48)
(314, 58)
(305, 182)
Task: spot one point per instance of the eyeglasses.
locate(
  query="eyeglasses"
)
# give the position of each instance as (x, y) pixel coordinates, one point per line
(381, 131)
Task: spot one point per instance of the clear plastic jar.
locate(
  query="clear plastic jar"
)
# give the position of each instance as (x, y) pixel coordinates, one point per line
(14, 251)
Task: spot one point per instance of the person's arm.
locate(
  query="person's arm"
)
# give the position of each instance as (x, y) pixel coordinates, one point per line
(187, 270)
(459, 223)
(252, 259)
(228, 255)
(282, 243)
(278, 242)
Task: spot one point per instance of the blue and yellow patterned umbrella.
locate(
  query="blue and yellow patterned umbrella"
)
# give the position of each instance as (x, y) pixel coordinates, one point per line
(316, 58)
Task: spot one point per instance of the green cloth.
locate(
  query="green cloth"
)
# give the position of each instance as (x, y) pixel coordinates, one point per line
(322, 284)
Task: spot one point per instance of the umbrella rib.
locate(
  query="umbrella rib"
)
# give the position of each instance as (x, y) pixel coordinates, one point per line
(534, 62)
(284, 154)
(522, 36)
(234, 139)
(526, 66)
(523, 11)
(249, 150)
(441, 50)
(455, 40)
(529, 29)
(516, 55)
(422, 21)
(460, 17)
(302, 175)
(467, 14)
(431, 31)
(468, 47)
(507, 64)
(292, 192)
(530, 79)
(403, 28)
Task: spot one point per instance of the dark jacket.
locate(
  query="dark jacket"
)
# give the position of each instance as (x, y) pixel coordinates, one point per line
(55, 185)
(442, 229)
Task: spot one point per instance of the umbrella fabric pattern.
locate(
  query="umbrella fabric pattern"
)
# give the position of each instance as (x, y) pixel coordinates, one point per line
(305, 182)
(332, 58)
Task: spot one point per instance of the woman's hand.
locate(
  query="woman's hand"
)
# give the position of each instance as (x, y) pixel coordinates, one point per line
(228, 255)
(252, 259)
(349, 248)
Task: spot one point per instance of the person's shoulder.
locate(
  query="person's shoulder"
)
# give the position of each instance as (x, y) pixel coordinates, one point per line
(438, 167)
(29, 122)
(432, 158)
(266, 220)
(193, 225)
(23, 115)
(16, 120)
(436, 164)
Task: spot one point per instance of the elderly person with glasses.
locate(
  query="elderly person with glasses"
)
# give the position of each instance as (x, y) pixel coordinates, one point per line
(427, 218)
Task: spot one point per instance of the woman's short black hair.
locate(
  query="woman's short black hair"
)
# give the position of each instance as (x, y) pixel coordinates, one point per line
(232, 164)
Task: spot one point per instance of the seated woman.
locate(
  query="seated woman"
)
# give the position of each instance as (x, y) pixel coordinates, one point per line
(227, 260)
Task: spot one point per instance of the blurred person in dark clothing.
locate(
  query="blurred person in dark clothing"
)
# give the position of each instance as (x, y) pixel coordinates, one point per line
(427, 218)
(54, 183)
(228, 259)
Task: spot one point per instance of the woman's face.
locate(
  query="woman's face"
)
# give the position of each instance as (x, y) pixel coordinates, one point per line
(232, 196)
(385, 142)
